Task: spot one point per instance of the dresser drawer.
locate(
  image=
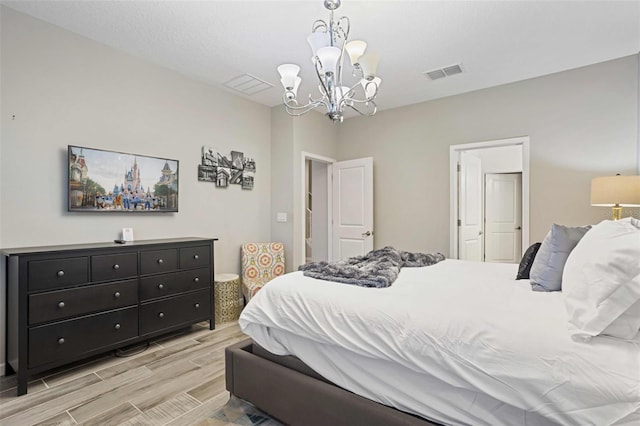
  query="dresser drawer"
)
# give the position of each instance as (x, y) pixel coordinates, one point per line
(166, 313)
(72, 338)
(56, 273)
(174, 283)
(114, 266)
(60, 304)
(195, 257)
(155, 261)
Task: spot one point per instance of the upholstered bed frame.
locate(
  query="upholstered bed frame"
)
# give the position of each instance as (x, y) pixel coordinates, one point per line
(287, 389)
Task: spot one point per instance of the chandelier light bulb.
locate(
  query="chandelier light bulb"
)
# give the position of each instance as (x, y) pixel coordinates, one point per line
(317, 41)
(355, 49)
(296, 84)
(329, 57)
(369, 65)
(288, 74)
(291, 88)
(370, 87)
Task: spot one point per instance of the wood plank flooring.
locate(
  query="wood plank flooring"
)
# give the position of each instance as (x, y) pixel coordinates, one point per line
(178, 380)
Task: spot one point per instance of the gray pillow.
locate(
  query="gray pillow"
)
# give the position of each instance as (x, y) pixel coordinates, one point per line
(546, 271)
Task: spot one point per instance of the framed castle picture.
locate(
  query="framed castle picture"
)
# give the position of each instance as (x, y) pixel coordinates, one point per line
(110, 181)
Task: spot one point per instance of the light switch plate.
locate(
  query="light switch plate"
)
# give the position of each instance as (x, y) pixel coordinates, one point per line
(281, 217)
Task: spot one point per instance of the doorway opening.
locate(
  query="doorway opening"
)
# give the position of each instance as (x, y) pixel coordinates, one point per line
(316, 208)
(489, 200)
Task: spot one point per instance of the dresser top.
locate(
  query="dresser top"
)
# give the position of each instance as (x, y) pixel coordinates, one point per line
(111, 244)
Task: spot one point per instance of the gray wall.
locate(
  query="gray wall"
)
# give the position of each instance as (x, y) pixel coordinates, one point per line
(282, 181)
(66, 89)
(581, 123)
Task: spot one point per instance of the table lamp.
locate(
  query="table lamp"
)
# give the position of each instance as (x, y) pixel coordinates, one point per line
(616, 192)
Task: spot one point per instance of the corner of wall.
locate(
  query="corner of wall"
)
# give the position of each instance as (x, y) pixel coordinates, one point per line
(282, 131)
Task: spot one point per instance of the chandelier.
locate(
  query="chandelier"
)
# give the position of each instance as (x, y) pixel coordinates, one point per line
(329, 42)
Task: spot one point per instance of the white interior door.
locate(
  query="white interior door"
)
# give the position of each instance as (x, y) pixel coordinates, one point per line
(503, 217)
(470, 242)
(352, 208)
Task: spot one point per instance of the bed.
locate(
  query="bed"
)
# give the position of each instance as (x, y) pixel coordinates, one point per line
(455, 343)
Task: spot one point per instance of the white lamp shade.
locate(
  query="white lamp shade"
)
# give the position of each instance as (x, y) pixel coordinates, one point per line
(341, 91)
(288, 74)
(317, 41)
(370, 87)
(611, 190)
(355, 49)
(294, 88)
(329, 57)
(369, 65)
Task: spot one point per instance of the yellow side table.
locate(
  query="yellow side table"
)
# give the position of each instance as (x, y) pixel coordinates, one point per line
(227, 296)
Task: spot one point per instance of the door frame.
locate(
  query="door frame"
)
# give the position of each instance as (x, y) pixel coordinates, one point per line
(301, 208)
(454, 153)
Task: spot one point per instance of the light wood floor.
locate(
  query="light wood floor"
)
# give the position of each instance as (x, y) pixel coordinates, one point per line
(178, 380)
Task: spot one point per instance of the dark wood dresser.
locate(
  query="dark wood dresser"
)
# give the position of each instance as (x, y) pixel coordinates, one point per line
(66, 303)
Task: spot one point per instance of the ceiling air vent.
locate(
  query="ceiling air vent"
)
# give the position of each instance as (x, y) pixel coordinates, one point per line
(444, 72)
(248, 84)
(435, 74)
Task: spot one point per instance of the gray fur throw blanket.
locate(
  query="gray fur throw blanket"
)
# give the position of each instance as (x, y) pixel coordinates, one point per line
(378, 268)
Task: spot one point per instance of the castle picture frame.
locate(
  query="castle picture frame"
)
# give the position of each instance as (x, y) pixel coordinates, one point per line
(100, 180)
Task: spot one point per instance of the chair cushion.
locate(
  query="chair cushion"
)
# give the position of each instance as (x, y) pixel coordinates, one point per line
(261, 262)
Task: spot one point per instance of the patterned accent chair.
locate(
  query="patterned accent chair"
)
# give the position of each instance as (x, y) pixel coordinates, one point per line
(261, 262)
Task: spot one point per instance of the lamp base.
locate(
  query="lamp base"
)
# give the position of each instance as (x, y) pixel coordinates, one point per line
(616, 212)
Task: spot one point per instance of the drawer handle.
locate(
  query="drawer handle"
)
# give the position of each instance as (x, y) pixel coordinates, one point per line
(61, 340)
(60, 273)
(197, 305)
(160, 286)
(60, 305)
(117, 326)
(160, 261)
(116, 294)
(196, 257)
(116, 266)
(196, 280)
(161, 315)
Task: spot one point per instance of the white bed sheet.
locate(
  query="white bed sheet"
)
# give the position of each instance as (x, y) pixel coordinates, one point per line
(467, 326)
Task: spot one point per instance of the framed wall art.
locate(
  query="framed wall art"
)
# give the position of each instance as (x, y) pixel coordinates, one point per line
(111, 181)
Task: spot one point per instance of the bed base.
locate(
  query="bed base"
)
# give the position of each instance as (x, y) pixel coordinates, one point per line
(290, 391)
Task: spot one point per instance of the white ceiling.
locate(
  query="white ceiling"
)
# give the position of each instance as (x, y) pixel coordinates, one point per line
(496, 42)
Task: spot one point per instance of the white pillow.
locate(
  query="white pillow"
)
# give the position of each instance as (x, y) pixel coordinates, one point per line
(601, 281)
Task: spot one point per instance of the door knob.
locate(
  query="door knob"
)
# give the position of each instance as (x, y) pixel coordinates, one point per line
(366, 234)
(480, 233)
(518, 228)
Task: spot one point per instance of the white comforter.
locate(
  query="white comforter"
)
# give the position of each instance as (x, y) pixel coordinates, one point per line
(469, 325)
